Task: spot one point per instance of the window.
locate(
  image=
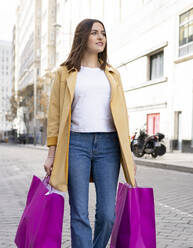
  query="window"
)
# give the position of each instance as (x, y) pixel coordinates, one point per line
(156, 65)
(186, 33)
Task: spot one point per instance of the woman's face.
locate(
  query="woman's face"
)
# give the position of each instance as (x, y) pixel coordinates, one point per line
(97, 38)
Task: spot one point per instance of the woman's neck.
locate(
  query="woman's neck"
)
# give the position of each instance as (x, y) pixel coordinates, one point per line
(90, 61)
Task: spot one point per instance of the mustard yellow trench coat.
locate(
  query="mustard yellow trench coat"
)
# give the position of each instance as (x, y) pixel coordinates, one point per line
(59, 122)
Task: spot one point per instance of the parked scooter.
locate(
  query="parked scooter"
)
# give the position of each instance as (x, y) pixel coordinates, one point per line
(145, 144)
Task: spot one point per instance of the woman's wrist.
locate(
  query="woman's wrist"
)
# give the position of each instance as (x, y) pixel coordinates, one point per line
(51, 152)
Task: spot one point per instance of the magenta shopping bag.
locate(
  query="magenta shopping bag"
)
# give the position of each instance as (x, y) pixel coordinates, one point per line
(134, 225)
(41, 223)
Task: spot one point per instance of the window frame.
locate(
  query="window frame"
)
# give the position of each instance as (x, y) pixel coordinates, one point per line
(161, 51)
(184, 48)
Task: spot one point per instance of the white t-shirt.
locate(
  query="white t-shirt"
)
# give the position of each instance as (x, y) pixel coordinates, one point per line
(91, 104)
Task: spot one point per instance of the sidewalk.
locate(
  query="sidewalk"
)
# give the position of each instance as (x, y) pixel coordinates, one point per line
(31, 146)
(171, 161)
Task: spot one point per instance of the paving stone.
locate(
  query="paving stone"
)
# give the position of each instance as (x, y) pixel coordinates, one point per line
(172, 193)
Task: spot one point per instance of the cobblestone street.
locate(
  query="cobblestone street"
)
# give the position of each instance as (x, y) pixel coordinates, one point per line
(173, 192)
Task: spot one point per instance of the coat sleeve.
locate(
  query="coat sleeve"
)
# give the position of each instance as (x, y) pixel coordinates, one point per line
(121, 86)
(54, 112)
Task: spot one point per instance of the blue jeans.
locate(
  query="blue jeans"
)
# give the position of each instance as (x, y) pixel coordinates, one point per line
(99, 152)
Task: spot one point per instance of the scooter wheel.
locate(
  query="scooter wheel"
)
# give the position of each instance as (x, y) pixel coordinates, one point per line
(154, 155)
(137, 153)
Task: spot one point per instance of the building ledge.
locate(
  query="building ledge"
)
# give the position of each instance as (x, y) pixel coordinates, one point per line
(183, 59)
(153, 106)
(147, 52)
(148, 83)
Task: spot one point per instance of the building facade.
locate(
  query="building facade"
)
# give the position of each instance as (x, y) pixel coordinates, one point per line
(5, 87)
(47, 64)
(149, 41)
(155, 61)
(27, 64)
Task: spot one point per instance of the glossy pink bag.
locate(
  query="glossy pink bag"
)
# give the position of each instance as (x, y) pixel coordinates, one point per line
(134, 225)
(41, 223)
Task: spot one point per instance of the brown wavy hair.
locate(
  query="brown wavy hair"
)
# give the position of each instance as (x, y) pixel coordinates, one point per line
(79, 45)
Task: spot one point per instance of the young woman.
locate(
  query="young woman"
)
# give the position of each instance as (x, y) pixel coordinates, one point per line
(88, 134)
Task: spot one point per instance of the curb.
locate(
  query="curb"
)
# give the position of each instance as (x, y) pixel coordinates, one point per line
(163, 165)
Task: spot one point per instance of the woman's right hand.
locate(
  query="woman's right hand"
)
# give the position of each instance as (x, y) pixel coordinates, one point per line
(48, 165)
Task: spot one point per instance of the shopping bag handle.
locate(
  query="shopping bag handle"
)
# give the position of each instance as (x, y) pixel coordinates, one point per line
(46, 179)
(136, 185)
(130, 185)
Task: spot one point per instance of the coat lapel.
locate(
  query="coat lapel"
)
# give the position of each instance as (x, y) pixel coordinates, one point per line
(68, 97)
(113, 84)
(71, 84)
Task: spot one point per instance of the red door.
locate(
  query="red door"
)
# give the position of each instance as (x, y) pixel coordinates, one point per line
(153, 123)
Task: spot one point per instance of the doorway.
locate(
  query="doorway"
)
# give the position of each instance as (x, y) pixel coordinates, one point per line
(179, 129)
